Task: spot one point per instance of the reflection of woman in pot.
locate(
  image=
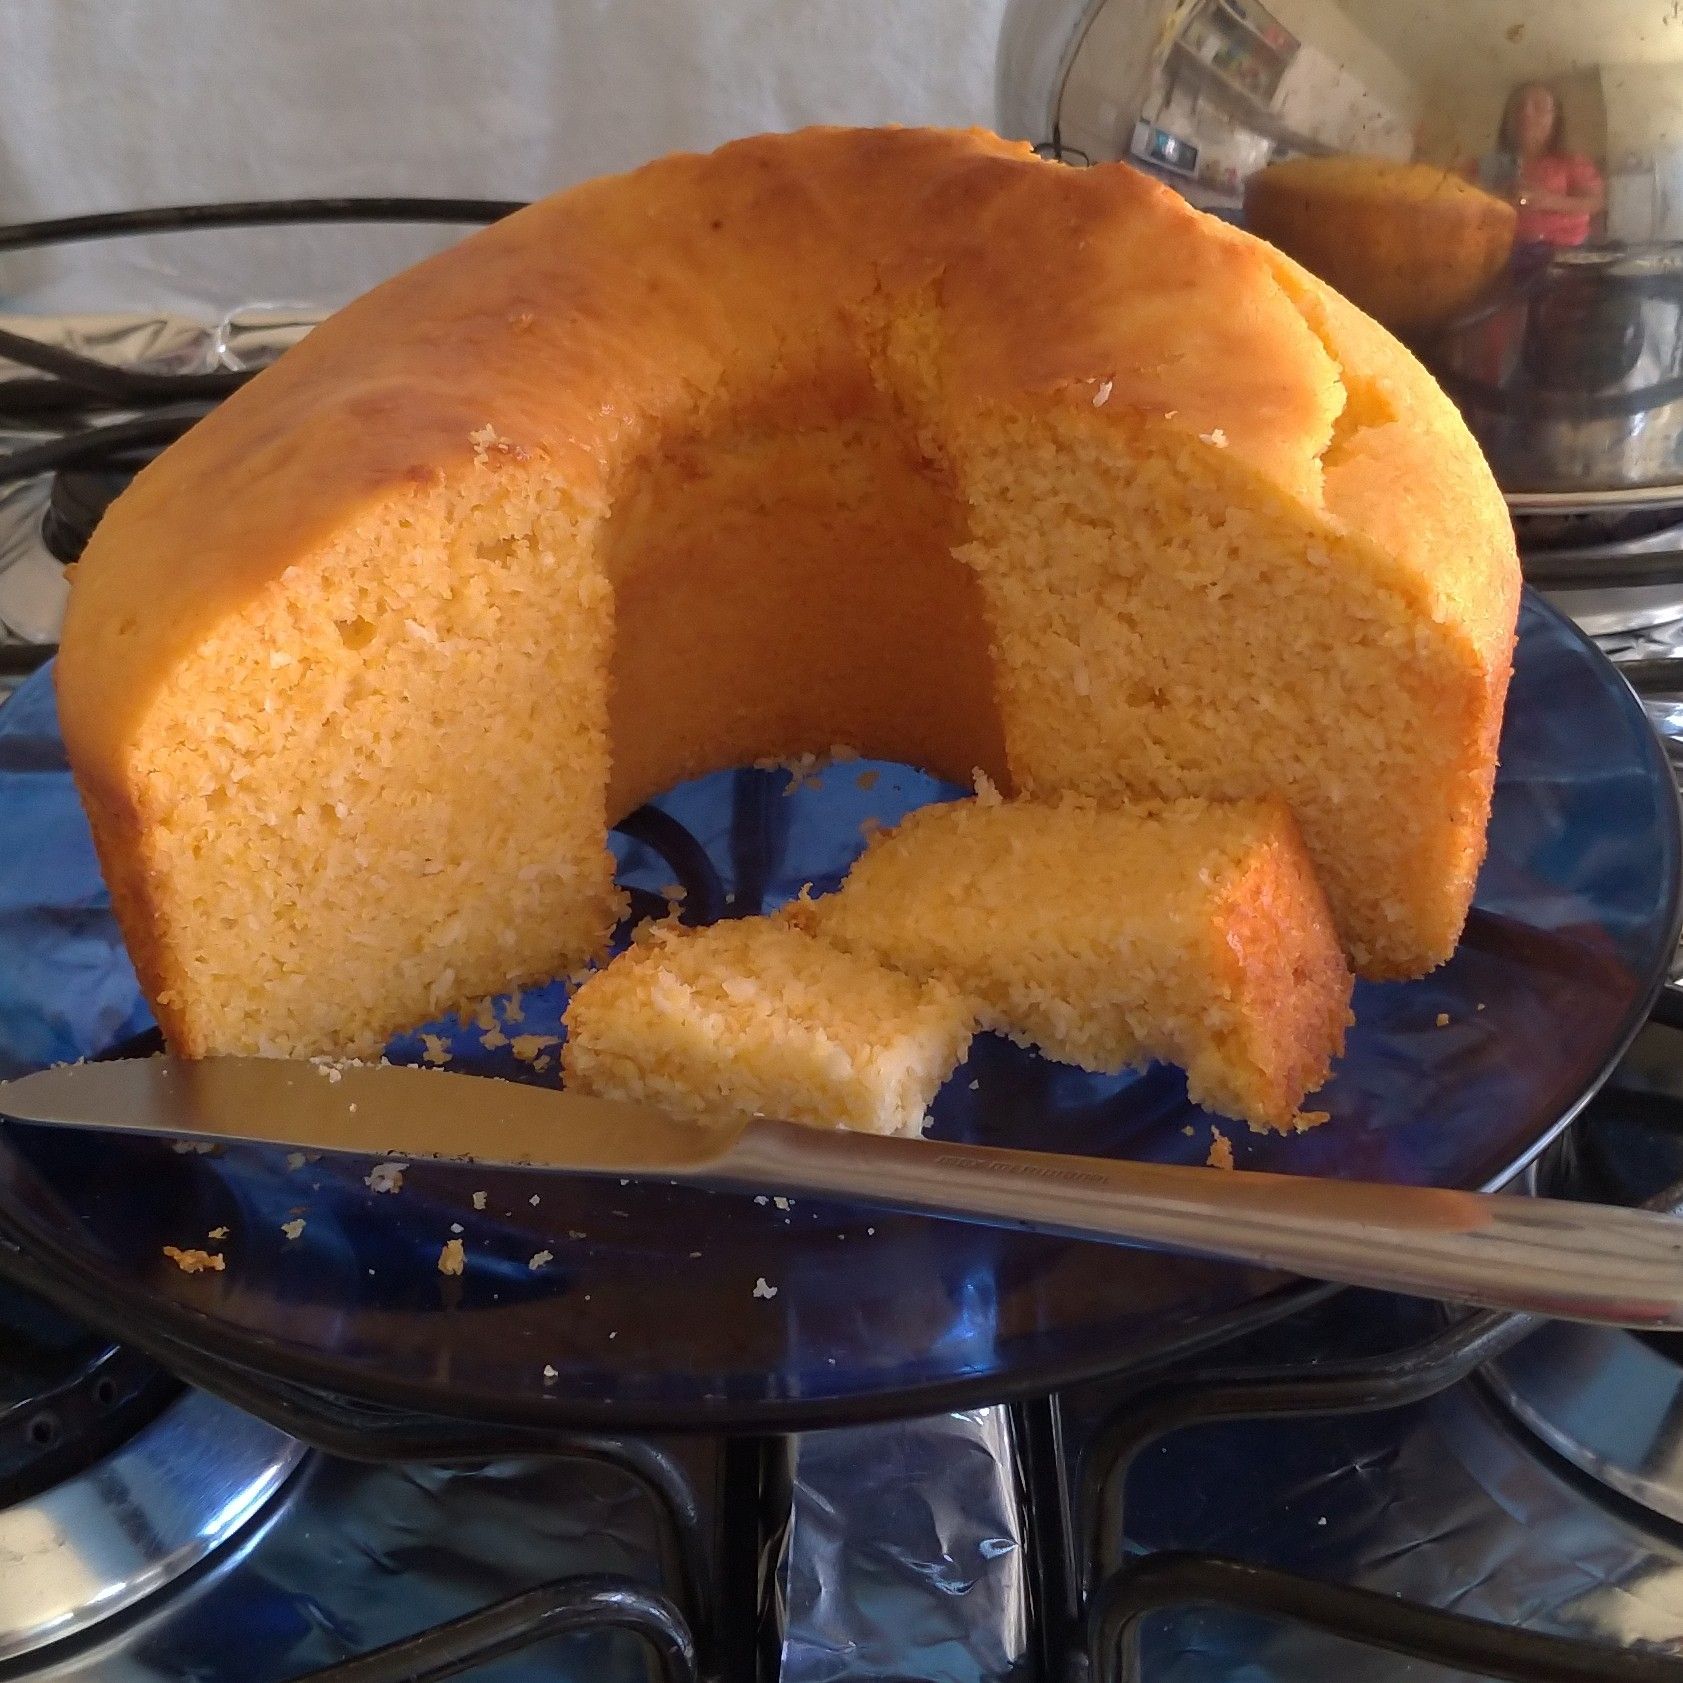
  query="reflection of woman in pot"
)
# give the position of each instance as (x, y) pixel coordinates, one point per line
(1556, 192)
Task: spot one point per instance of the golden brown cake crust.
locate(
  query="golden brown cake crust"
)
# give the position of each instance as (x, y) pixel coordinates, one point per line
(572, 327)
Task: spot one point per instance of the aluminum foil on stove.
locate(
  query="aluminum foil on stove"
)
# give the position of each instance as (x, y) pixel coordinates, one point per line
(906, 1554)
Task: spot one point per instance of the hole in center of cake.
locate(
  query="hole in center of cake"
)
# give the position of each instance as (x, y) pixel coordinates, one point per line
(785, 584)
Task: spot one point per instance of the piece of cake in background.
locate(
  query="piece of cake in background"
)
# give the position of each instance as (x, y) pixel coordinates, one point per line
(1411, 244)
(752, 1016)
(1193, 932)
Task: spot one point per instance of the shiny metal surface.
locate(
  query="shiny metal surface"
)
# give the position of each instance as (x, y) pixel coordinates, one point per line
(1549, 1256)
(33, 589)
(1568, 360)
(1447, 1503)
(1609, 1402)
(906, 1554)
(1572, 374)
(87, 1549)
(1619, 610)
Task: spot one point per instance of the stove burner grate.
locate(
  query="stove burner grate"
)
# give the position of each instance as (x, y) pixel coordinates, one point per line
(67, 1396)
(76, 503)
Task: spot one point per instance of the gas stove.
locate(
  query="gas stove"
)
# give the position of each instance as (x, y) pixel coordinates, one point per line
(1367, 1486)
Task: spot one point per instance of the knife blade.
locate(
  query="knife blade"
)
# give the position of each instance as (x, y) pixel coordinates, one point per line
(1545, 1256)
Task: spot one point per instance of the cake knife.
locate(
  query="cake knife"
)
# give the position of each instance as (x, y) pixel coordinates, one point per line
(1572, 1261)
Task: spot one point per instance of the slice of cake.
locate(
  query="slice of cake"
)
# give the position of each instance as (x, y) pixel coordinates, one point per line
(1189, 931)
(753, 1015)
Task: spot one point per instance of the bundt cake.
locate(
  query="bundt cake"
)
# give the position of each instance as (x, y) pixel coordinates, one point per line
(753, 1016)
(1409, 243)
(1190, 931)
(902, 439)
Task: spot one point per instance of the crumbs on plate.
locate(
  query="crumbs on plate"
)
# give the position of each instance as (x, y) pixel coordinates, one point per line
(450, 1258)
(293, 1228)
(195, 1261)
(1221, 1151)
(385, 1177)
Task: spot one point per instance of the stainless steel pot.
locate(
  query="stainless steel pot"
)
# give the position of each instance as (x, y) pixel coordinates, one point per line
(1571, 372)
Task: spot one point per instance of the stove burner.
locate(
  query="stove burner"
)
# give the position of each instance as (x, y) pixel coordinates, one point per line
(1607, 1401)
(112, 1482)
(68, 1396)
(84, 1550)
(77, 502)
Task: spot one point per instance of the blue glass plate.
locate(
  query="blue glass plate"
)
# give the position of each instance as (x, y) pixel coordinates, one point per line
(659, 1306)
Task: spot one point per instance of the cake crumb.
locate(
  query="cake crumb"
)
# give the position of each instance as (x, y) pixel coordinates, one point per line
(542, 1063)
(526, 1047)
(492, 1038)
(1216, 437)
(1187, 1130)
(295, 1160)
(550, 1374)
(450, 1258)
(456, 1227)
(1307, 1119)
(217, 1233)
(198, 1148)
(436, 1049)
(1479, 1006)
(976, 1085)
(1102, 396)
(867, 780)
(293, 1228)
(485, 440)
(781, 1203)
(385, 1177)
(761, 1289)
(515, 1010)
(1221, 1151)
(479, 1200)
(533, 1200)
(987, 791)
(538, 1258)
(1442, 1019)
(195, 1261)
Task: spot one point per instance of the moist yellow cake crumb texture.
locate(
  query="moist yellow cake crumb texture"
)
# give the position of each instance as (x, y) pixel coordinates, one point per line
(745, 455)
(752, 1016)
(1190, 931)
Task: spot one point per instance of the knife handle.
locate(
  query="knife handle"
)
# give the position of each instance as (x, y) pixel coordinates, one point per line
(1570, 1261)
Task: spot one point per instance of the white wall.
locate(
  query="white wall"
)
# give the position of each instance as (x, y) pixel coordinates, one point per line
(1644, 111)
(114, 103)
(1324, 25)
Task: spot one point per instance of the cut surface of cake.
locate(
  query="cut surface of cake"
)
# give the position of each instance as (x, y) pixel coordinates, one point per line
(1193, 932)
(901, 438)
(752, 1016)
